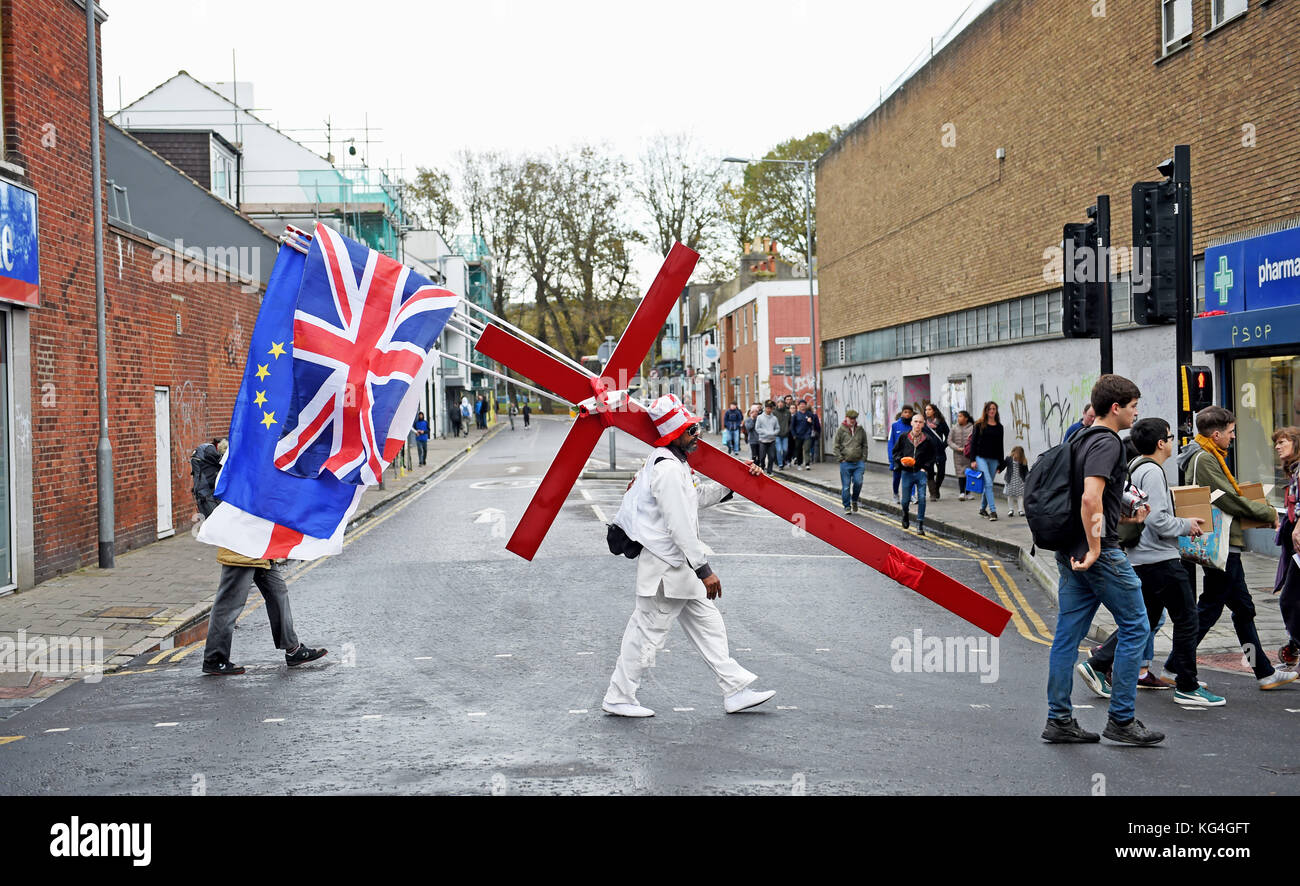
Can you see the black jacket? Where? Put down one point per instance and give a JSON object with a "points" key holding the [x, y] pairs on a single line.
{"points": [[923, 452], [986, 442], [205, 464]]}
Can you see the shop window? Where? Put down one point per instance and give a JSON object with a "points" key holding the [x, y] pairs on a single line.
{"points": [[1266, 397]]}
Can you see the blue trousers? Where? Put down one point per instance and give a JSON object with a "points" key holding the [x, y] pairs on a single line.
{"points": [[851, 474]]}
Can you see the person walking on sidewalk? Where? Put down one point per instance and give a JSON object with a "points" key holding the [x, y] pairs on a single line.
{"points": [[1017, 468], [899, 428], [802, 427], [465, 413], [205, 464], [781, 409], [1286, 443], [914, 452], [816, 443], [421, 428], [751, 435], [957, 437], [850, 448], [674, 579], [1094, 572], [1166, 584], [1089, 416], [528, 411], [768, 428], [937, 429], [1203, 464], [237, 574], [988, 454], [732, 421]]}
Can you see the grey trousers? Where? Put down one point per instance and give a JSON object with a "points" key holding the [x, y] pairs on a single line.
{"points": [[231, 595]]}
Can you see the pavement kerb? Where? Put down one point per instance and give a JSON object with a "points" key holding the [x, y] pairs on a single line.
{"points": [[200, 611]]}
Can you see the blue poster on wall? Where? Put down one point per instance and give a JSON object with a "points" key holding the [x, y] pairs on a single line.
{"points": [[20, 265], [1254, 274]]}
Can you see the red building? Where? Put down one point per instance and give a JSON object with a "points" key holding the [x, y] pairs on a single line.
{"points": [[176, 342], [766, 343]]}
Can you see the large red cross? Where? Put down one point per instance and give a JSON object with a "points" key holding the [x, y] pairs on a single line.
{"points": [[763, 491]]}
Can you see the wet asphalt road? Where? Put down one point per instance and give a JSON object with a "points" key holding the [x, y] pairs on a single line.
{"points": [[456, 667]]}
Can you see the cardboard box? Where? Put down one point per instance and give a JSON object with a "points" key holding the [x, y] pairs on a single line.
{"points": [[1193, 501], [1255, 492]]}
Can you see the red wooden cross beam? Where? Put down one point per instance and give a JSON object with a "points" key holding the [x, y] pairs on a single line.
{"points": [[763, 491]]}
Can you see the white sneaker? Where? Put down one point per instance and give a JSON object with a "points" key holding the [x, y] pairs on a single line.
{"points": [[745, 698], [1280, 677], [626, 710]]}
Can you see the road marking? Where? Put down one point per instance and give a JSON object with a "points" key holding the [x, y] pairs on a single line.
{"points": [[160, 656], [1020, 598], [1084, 706], [504, 655], [424, 658], [979, 707], [5, 739], [156, 725], [880, 706], [798, 556], [578, 711], [1293, 710], [821, 649], [187, 650], [586, 653], [600, 515], [60, 729], [372, 716], [586, 494], [274, 720], [683, 710], [477, 714], [743, 649], [1021, 627], [786, 707]]}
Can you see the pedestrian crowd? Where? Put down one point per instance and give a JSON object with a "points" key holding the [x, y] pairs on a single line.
{"points": [[782, 434]]}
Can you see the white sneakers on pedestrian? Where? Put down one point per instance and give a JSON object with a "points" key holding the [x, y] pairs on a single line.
{"points": [[626, 710], [1279, 677], [745, 698]]}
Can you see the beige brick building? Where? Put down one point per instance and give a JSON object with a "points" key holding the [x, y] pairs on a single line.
{"points": [[938, 211]]}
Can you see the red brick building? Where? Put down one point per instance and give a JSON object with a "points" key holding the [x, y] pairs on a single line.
{"points": [[765, 342], [176, 344]]}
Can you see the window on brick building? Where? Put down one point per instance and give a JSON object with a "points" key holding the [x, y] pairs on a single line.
{"points": [[1225, 10], [1176, 24]]}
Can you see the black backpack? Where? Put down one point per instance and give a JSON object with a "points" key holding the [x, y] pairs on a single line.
{"points": [[1051, 502]]}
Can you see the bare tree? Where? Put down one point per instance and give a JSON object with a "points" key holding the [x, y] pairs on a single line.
{"points": [[492, 205], [430, 197], [679, 188]]}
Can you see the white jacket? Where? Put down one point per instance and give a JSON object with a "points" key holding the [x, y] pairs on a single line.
{"points": [[661, 511]]}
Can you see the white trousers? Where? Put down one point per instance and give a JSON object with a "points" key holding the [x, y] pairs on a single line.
{"points": [[646, 632]]}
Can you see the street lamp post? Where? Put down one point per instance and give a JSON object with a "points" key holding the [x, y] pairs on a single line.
{"points": [[807, 214]]}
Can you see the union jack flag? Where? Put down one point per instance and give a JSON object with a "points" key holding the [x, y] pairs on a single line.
{"points": [[362, 335]]}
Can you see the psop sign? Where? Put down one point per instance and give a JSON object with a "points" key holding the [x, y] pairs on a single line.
{"points": [[20, 266]]}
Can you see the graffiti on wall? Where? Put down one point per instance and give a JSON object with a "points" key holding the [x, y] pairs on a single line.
{"points": [[189, 424], [236, 346], [1020, 415]]}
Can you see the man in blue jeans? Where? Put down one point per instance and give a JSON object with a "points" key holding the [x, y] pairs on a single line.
{"points": [[1096, 572], [850, 448], [732, 419]]}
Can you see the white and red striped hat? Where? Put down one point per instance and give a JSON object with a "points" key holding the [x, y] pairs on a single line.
{"points": [[671, 418]]}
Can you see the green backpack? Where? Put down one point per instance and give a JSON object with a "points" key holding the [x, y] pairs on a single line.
{"points": [[1130, 533]]}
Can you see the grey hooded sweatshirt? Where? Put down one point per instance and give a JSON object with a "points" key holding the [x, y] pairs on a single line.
{"points": [[1159, 539]]}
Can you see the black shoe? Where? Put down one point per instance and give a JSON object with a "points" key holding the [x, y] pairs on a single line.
{"points": [[993, 517], [222, 668], [920, 528], [1067, 732], [855, 506], [984, 512], [1132, 732], [907, 519], [302, 655]]}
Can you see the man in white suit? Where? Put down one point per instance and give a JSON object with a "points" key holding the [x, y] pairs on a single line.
{"points": [[674, 580]]}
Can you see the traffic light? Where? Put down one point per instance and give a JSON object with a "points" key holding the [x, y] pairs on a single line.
{"points": [[1080, 301], [1155, 243], [1198, 388]]}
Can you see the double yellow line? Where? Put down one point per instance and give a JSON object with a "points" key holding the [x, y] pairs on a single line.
{"points": [[1022, 614]]}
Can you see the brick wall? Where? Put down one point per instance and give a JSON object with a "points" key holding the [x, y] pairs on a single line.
{"points": [[787, 317], [44, 69], [916, 217]]}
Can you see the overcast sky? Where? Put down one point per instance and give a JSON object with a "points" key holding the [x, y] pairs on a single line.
{"points": [[518, 75]]}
